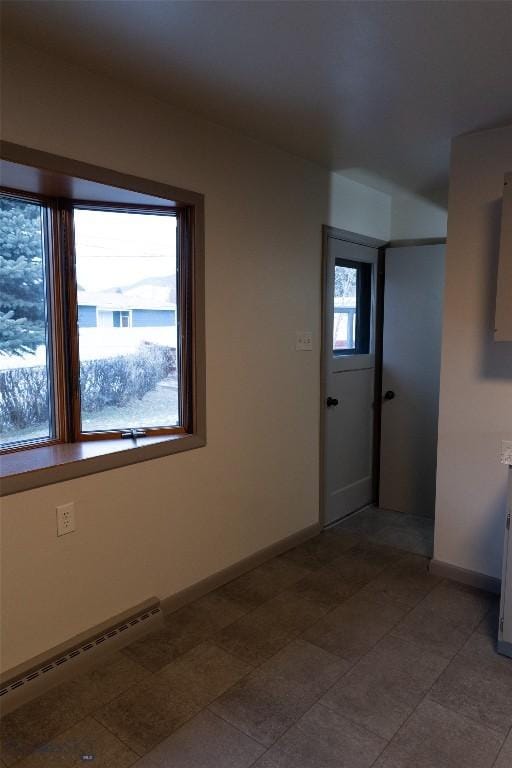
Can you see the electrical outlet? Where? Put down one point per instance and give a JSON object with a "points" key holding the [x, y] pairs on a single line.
{"points": [[66, 519], [304, 341]]}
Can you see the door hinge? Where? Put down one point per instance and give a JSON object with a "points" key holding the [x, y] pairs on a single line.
{"points": [[508, 521], [501, 624]]}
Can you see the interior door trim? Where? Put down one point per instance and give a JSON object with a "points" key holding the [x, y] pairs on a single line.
{"points": [[350, 237], [417, 241], [381, 245], [379, 358]]}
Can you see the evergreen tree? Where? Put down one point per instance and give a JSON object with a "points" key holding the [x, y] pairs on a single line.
{"points": [[22, 300], [345, 282]]}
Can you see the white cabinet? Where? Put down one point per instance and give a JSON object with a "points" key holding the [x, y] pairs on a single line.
{"points": [[503, 322], [505, 627]]}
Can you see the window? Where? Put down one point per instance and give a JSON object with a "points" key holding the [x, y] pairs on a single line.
{"points": [[99, 316], [128, 374], [122, 318], [119, 378], [26, 414], [352, 307]]}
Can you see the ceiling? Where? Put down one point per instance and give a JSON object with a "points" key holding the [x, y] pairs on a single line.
{"points": [[372, 89]]}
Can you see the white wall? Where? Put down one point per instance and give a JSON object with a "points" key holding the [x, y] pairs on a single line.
{"points": [[413, 217], [358, 208], [158, 527], [476, 372]]}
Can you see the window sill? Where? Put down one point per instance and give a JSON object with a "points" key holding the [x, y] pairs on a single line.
{"points": [[36, 467]]}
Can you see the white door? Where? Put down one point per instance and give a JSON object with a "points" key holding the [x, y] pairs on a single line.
{"points": [[348, 377], [410, 377]]}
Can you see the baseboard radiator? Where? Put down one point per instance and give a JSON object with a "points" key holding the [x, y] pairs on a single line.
{"points": [[79, 657]]}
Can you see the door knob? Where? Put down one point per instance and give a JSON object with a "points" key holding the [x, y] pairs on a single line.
{"points": [[389, 395], [332, 401]]}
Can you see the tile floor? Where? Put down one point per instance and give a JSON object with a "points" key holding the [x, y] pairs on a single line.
{"points": [[342, 653], [410, 532]]}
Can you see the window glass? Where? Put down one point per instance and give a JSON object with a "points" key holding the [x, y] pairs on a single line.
{"points": [[352, 307], [127, 310], [345, 308], [25, 412]]}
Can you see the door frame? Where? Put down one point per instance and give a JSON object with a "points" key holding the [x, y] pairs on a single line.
{"points": [[381, 246], [334, 233]]}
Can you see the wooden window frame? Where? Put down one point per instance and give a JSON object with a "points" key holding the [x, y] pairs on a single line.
{"points": [[71, 452], [183, 298], [59, 422]]}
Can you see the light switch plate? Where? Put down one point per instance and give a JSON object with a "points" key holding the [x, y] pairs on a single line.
{"points": [[304, 341]]}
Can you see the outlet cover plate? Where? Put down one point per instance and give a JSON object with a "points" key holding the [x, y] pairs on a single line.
{"points": [[66, 519]]}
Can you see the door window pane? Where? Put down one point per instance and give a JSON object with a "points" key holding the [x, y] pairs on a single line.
{"points": [[352, 307], [345, 308], [25, 412], [127, 309]]}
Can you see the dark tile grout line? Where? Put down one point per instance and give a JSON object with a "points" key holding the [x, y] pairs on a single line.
{"points": [[324, 693], [118, 738], [440, 705], [153, 673], [425, 536], [437, 678], [424, 540], [450, 708], [320, 618], [93, 713], [427, 693], [358, 661], [351, 668], [343, 674], [360, 539], [257, 666], [264, 661], [88, 715], [509, 733]]}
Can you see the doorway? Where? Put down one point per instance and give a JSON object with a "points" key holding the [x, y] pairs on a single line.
{"points": [[348, 372], [411, 362], [382, 315]]}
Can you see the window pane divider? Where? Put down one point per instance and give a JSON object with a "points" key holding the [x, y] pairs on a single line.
{"points": [[71, 353]]}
